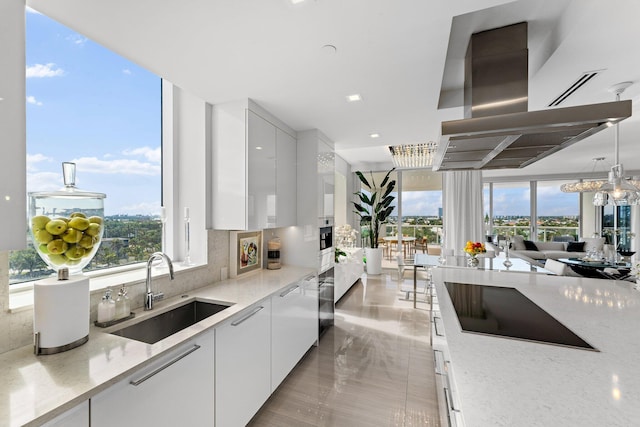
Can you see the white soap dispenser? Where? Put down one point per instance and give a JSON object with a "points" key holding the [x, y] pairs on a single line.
{"points": [[123, 307], [106, 308]]}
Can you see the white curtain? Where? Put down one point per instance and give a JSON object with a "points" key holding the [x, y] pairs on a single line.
{"points": [[462, 199]]}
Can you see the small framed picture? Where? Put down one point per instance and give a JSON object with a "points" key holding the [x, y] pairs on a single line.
{"points": [[246, 252]]}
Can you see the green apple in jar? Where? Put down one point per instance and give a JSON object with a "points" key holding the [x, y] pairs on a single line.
{"points": [[57, 247], [56, 226], [39, 222]]}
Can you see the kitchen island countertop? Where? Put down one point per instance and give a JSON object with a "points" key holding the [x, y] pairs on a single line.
{"points": [[510, 382]]}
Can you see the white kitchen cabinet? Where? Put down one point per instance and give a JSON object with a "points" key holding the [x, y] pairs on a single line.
{"points": [[347, 272], [77, 416], [174, 389], [253, 169], [243, 365], [294, 326], [285, 179], [261, 172]]}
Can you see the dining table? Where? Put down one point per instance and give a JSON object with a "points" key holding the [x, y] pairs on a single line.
{"points": [[408, 243]]}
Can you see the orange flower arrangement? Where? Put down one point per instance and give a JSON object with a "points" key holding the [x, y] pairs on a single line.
{"points": [[474, 248]]}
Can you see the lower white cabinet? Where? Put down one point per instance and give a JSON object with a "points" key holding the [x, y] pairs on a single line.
{"points": [[175, 390], [347, 272], [77, 416], [243, 365], [294, 326]]}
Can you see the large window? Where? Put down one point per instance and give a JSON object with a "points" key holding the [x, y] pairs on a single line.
{"points": [[90, 106], [558, 212], [512, 209], [421, 205]]}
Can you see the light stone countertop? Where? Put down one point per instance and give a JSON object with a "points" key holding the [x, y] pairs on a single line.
{"points": [[508, 382], [34, 389]]}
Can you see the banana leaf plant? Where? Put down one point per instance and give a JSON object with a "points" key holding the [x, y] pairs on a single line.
{"points": [[374, 208]]}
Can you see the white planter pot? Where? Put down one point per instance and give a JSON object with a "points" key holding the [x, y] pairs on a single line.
{"points": [[374, 260]]}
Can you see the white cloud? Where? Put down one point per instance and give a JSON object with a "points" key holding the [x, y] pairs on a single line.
{"points": [[126, 71], [151, 154], [117, 166], [77, 39], [44, 181], [32, 100], [46, 70], [33, 159]]}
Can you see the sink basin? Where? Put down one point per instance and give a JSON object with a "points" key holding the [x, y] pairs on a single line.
{"points": [[168, 323]]}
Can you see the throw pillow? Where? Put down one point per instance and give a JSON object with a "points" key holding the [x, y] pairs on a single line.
{"points": [[530, 246], [575, 247], [518, 243]]}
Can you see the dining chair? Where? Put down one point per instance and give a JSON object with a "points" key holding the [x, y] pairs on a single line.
{"points": [[421, 244], [556, 267]]}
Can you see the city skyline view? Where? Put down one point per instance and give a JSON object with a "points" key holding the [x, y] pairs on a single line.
{"points": [[87, 105]]}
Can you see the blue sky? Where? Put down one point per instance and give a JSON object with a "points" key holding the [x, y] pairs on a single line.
{"points": [[90, 106], [513, 199]]}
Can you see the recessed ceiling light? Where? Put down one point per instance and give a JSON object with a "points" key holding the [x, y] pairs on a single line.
{"points": [[375, 135], [353, 98], [258, 148], [296, 1]]}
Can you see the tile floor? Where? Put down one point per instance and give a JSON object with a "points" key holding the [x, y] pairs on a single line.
{"points": [[373, 368]]}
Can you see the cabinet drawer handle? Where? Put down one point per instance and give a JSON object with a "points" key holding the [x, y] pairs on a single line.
{"points": [[165, 366], [435, 326], [288, 291], [243, 318]]}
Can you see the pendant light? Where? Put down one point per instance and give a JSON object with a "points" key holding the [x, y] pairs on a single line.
{"points": [[617, 191]]}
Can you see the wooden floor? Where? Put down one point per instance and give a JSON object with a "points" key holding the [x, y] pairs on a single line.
{"points": [[373, 368]]}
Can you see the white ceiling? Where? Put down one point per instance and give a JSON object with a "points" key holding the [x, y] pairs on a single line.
{"points": [[392, 52]]}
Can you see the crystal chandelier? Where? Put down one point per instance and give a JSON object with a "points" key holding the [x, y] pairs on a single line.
{"points": [[413, 155], [618, 190], [589, 186]]}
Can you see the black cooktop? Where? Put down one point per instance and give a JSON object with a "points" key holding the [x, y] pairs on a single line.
{"points": [[505, 312]]}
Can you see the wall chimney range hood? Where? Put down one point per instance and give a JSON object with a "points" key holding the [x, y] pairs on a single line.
{"points": [[498, 131]]}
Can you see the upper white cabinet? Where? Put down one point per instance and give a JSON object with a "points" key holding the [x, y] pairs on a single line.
{"points": [[253, 169], [286, 149], [13, 164], [316, 177], [261, 172]]}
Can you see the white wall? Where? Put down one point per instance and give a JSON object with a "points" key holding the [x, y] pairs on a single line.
{"points": [[185, 185]]}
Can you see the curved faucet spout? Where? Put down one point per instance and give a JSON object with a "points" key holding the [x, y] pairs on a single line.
{"points": [[150, 296]]}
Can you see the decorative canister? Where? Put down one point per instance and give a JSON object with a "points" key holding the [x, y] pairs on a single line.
{"points": [[273, 253], [66, 225]]}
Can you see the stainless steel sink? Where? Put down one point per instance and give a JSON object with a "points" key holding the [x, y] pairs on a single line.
{"points": [[168, 323]]}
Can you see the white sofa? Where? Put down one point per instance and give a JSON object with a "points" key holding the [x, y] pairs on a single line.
{"points": [[554, 250]]}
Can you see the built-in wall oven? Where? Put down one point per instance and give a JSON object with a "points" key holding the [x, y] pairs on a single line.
{"points": [[325, 280]]}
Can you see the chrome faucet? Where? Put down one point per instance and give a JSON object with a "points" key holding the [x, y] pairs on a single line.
{"points": [[150, 297]]}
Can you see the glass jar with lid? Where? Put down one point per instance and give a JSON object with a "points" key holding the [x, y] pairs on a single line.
{"points": [[273, 253], [66, 225]]}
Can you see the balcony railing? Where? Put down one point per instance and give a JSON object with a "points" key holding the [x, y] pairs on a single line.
{"points": [[545, 233]]}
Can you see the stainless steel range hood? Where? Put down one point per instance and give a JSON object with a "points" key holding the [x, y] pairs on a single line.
{"points": [[499, 131]]}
